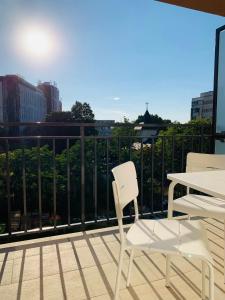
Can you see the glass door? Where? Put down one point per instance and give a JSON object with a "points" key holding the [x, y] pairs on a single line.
{"points": [[219, 92]]}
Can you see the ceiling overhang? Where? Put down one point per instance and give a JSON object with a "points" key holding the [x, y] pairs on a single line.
{"points": [[216, 7]]}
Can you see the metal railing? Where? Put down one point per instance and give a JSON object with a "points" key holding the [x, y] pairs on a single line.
{"points": [[63, 182]]}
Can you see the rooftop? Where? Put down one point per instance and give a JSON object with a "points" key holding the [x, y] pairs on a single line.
{"points": [[83, 266]]}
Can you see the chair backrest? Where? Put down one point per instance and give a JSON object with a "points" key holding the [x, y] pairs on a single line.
{"points": [[125, 187], [197, 162]]}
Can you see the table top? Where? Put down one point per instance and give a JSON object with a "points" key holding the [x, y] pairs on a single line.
{"points": [[209, 182]]}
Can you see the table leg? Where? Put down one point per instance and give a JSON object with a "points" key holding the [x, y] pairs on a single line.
{"points": [[211, 282]]}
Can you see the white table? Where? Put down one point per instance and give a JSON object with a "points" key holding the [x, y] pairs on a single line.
{"points": [[208, 182]]}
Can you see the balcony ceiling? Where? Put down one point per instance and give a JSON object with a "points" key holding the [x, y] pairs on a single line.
{"points": [[216, 7]]}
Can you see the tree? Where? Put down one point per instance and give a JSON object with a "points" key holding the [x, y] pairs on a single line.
{"points": [[82, 112], [124, 129], [59, 117]]}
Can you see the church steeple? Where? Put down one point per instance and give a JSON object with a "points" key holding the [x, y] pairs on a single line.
{"points": [[147, 117], [147, 103]]}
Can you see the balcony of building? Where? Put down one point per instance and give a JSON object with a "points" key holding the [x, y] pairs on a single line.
{"points": [[83, 265], [57, 210]]}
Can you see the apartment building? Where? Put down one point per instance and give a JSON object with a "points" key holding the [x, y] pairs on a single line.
{"points": [[202, 107], [51, 93], [21, 101]]}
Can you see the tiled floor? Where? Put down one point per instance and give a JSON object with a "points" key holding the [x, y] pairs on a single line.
{"points": [[83, 266]]}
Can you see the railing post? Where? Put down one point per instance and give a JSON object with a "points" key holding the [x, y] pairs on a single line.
{"points": [[182, 154], [68, 178], [39, 185], [54, 184], [119, 150], [82, 176], [142, 176], [163, 171], [24, 188], [173, 146], [202, 132], [8, 187], [107, 179], [152, 173], [95, 181]]}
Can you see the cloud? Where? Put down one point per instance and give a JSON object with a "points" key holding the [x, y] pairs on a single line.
{"points": [[112, 114], [116, 98]]}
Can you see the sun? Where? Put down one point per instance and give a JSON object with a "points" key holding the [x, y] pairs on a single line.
{"points": [[37, 42]]}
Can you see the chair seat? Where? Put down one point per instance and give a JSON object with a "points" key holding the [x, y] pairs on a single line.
{"points": [[198, 205], [186, 238]]}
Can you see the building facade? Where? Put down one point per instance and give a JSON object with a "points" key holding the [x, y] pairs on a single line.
{"points": [[33, 106], [202, 107], [51, 93], [1, 101], [106, 127], [20, 101]]}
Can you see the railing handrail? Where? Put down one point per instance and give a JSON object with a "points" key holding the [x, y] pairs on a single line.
{"points": [[46, 137], [81, 124]]}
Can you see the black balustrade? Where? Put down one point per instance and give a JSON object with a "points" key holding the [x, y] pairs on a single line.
{"points": [[61, 182]]}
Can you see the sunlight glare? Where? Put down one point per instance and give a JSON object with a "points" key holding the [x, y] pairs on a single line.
{"points": [[37, 42]]}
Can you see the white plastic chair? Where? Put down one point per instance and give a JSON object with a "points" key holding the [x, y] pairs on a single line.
{"points": [[172, 237], [199, 205]]}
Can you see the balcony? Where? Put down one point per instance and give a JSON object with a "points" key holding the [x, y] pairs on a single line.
{"points": [[57, 210], [83, 266]]}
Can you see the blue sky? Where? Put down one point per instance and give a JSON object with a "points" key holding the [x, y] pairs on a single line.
{"points": [[116, 54]]}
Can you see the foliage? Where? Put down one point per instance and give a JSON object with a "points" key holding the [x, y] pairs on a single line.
{"points": [[82, 112], [124, 129], [153, 162], [177, 140], [152, 119]]}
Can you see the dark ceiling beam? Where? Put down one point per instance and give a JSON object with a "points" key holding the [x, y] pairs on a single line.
{"points": [[216, 7]]}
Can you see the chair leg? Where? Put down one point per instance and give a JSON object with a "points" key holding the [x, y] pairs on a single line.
{"points": [[168, 259], [117, 288], [203, 279], [130, 266], [211, 282], [170, 213]]}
